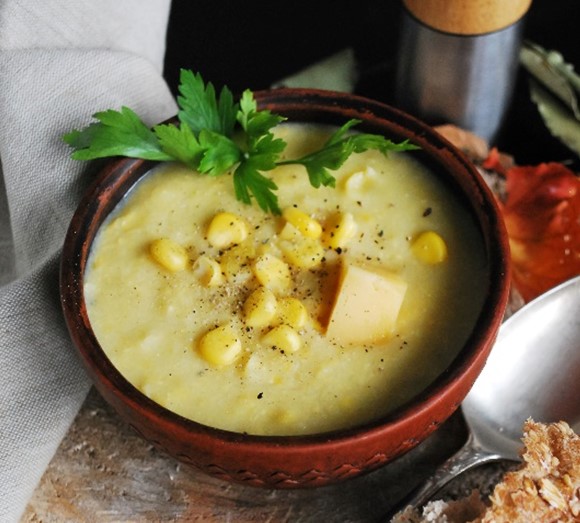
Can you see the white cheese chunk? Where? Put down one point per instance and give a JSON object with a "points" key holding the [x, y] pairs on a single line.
{"points": [[366, 306]]}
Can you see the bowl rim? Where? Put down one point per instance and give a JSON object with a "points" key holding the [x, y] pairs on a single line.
{"points": [[335, 105]]}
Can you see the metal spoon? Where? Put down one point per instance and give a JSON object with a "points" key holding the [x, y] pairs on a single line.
{"points": [[532, 371]]}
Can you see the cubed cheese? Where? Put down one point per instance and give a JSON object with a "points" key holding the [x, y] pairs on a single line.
{"points": [[366, 305]]}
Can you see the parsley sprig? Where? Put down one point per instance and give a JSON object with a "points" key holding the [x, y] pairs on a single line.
{"points": [[216, 135]]}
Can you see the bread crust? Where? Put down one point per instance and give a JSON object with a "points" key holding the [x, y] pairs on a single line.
{"points": [[547, 487], [544, 489]]}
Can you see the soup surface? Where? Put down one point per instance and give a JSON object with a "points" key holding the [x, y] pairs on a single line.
{"points": [[313, 329]]}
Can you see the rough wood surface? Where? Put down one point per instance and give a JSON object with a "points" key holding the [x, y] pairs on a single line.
{"points": [[104, 472]]}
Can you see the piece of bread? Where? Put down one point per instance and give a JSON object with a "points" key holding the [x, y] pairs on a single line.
{"points": [[546, 488], [439, 511]]}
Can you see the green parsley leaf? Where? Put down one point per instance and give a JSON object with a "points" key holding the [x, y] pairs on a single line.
{"points": [[248, 107], [255, 123], [262, 155], [219, 153], [118, 133], [180, 143], [200, 109], [337, 150], [266, 151], [216, 136], [248, 182], [341, 132]]}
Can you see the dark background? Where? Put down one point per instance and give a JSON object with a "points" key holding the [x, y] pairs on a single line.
{"points": [[252, 44]]}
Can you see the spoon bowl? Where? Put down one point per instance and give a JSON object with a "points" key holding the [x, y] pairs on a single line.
{"points": [[533, 371]]}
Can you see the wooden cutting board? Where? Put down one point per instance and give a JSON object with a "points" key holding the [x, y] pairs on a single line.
{"points": [[104, 472]]}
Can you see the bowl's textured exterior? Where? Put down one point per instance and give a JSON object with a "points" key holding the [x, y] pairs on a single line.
{"points": [[297, 461]]}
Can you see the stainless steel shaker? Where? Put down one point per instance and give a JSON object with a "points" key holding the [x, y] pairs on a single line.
{"points": [[458, 61]]}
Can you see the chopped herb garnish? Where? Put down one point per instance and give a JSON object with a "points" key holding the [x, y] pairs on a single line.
{"points": [[217, 135]]}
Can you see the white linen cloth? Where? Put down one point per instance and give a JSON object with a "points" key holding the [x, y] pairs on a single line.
{"points": [[60, 62]]}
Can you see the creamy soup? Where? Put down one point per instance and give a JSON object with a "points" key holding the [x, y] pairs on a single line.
{"points": [[329, 316]]}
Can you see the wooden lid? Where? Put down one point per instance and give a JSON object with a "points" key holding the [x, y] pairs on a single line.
{"points": [[468, 16]]}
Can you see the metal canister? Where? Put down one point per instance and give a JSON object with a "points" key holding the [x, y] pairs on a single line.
{"points": [[458, 61]]}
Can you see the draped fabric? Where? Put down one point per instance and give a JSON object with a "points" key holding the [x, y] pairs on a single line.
{"points": [[60, 62]]}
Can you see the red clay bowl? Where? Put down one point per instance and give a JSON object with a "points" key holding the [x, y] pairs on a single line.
{"points": [[296, 461]]}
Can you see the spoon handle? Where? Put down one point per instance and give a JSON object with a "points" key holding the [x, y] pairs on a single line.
{"points": [[467, 457]]}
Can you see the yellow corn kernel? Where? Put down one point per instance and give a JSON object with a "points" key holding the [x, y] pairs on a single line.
{"points": [[169, 254], [304, 253], [260, 308], [289, 232], [356, 181], [220, 346], [291, 311], [283, 338], [226, 229], [430, 248], [236, 262], [208, 271], [340, 231], [272, 273], [307, 225], [268, 248]]}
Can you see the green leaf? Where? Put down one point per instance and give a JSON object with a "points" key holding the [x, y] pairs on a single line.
{"points": [[337, 150], [219, 153], [207, 140], [550, 69], [179, 143], [118, 133], [560, 122], [266, 152], [261, 123], [249, 182], [255, 123], [366, 142], [361, 142], [227, 109], [341, 132], [247, 108], [201, 110]]}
